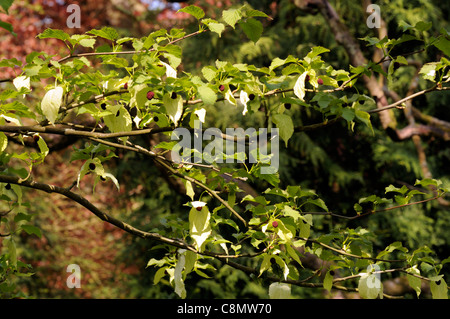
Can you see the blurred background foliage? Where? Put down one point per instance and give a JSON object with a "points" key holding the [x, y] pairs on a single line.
{"points": [[340, 165]]}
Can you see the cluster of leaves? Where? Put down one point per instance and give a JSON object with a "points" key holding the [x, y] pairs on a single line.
{"points": [[146, 95]]}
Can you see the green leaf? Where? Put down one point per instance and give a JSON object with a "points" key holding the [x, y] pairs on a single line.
{"points": [[43, 146], [216, 27], [428, 71], [423, 26], [255, 13], [7, 27], [159, 274], [285, 126], [6, 4], [209, 72], [54, 34], [51, 103], [232, 16], [443, 44], [365, 118], [3, 141], [413, 281], [12, 252], [195, 11], [252, 29], [208, 96], [328, 281], [32, 230], [106, 33], [119, 120], [438, 287]]}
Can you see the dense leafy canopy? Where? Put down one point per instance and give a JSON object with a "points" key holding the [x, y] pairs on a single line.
{"points": [[339, 197]]}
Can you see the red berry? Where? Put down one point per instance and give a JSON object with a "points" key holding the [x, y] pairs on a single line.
{"points": [[150, 95], [275, 224], [319, 81], [36, 137], [125, 86], [307, 78], [221, 87], [199, 208]]}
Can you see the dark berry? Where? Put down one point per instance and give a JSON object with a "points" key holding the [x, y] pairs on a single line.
{"points": [[91, 166], [221, 87], [438, 282], [174, 95], [319, 81], [307, 78], [275, 224], [35, 138], [125, 86], [103, 106], [156, 119], [251, 96], [150, 95], [332, 272], [287, 106], [199, 208], [8, 186]]}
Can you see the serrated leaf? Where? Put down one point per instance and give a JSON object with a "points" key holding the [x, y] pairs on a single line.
{"points": [[232, 16], [216, 27], [51, 103], [194, 11], [252, 29], [208, 96], [189, 190], [209, 72], [285, 126], [53, 34], [106, 33], [119, 121]]}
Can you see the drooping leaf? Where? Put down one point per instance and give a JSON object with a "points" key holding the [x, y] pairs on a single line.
{"points": [[285, 126]]}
